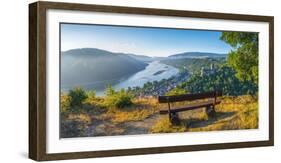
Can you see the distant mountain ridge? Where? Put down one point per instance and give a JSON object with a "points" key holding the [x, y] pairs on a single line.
{"points": [[101, 52], [87, 52], [197, 55], [90, 66], [143, 58]]}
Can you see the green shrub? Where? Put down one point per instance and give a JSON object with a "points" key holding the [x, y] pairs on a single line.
{"points": [[123, 99], [77, 96], [64, 103], [91, 94], [118, 99], [110, 91], [176, 91]]}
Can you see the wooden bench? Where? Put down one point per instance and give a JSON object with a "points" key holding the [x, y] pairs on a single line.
{"points": [[208, 100]]}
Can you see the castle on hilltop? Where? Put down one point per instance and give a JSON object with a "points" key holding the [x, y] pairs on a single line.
{"points": [[207, 71]]}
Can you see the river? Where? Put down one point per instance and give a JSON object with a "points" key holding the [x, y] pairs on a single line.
{"points": [[155, 71]]}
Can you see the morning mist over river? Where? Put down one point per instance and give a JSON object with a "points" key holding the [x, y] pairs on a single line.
{"points": [[154, 71]]}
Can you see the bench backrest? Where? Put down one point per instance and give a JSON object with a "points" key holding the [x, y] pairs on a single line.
{"points": [[189, 97]]}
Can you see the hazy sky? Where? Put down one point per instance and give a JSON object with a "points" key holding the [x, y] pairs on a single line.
{"points": [[142, 41]]}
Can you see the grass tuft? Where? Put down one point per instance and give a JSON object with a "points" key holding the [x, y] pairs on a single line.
{"points": [[165, 126]]}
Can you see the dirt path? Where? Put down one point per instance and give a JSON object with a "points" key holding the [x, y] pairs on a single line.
{"points": [[108, 128], [104, 127], [140, 127]]}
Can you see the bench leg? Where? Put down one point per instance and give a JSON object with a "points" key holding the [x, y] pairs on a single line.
{"points": [[210, 111], [174, 119]]}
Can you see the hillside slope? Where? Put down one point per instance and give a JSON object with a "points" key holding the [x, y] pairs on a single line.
{"points": [[197, 55], [90, 67]]}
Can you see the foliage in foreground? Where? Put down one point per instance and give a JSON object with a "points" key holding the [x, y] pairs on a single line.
{"points": [[176, 91], [119, 99], [73, 101], [77, 96]]}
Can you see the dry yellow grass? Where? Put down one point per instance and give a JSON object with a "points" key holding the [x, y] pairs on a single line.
{"points": [[94, 101], [135, 115], [165, 126], [142, 108], [245, 109], [233, 113], [148, 102], [86, 119], [65, 102]]}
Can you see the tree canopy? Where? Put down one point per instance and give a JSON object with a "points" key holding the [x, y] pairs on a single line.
{"points": [[223, 79], [244, 56]]}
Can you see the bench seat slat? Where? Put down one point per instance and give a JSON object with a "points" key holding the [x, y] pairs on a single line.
{"points": [[191, 106], [188, 97]]}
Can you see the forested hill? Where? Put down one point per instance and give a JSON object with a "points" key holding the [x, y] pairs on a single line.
{"points": [[80, 67], [194, 65], [197, 55]]}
